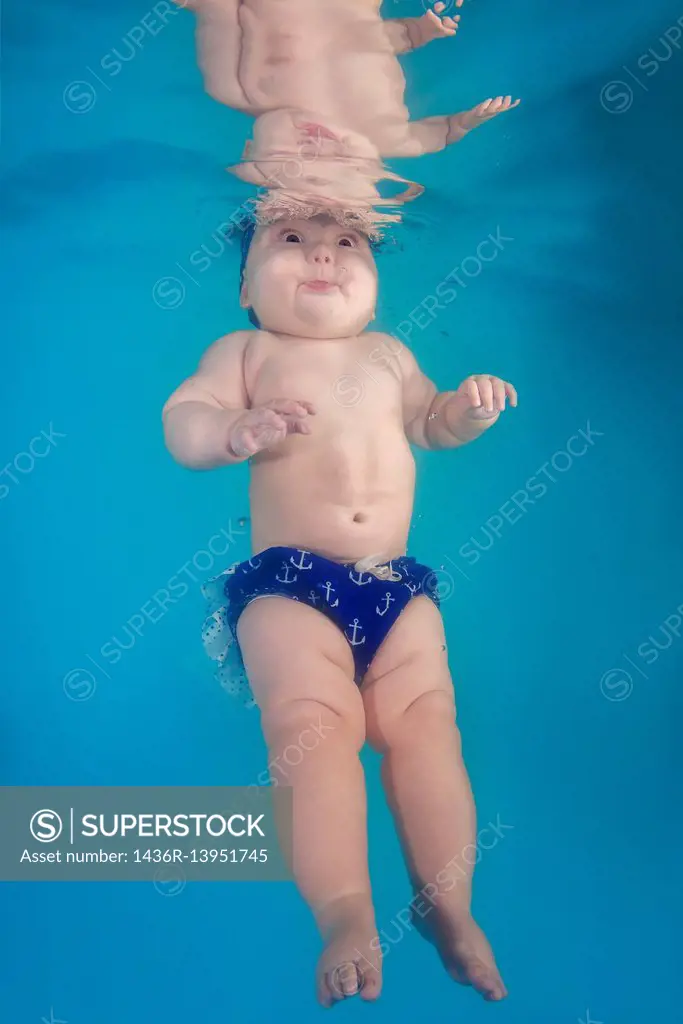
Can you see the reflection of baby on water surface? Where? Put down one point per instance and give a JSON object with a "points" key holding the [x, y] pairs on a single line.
{"points": [[335, 627], [323, 77]]}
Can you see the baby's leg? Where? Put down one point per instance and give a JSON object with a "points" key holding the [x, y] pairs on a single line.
{"points": [[301, 671], [410, 712], [220, 44]]}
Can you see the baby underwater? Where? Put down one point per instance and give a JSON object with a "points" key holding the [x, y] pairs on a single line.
{"points": [[333, 624]]}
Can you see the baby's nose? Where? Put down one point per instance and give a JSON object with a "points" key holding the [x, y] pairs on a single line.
{"points": [[322, 257]]}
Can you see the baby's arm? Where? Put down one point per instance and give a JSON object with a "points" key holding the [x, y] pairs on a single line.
{"points": [[208, 421], [448, 419], [431, 134], [199, 415], [407, 34]]}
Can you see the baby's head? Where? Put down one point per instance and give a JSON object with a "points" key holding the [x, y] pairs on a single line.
{"points": [[308, 277]]}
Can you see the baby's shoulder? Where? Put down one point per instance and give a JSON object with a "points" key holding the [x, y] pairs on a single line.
{"points": [[226, 351], [387, 344]]}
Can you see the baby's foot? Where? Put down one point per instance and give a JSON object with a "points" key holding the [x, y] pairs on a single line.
{"points": [[464, 949], [351, 963]]}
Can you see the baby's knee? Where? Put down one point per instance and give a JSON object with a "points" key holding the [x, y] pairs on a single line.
{"points": [[303, 725], [421, 721]]}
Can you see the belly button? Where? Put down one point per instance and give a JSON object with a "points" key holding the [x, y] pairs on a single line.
{"points": [[359, 517]]}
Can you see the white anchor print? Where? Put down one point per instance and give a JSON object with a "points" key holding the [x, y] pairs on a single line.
{"points": [[355, 626], [412, 587], [301, 564], [387, 601], [286, 577], [313, 597], [253, 563], [328, 588], [360, 582]]}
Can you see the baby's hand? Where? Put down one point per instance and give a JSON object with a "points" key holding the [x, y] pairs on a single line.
{"points": [[435, 24], [268, 425], [483, 396], [486, 110]]}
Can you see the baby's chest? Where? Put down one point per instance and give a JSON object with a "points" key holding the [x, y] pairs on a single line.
{"points": [[331, 377]]}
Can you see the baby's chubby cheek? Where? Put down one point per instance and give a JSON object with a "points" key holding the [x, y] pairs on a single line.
{"points": [[363, 282], [276, 277]]}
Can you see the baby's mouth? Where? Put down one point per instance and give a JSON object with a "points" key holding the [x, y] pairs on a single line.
{"points": [[319, 285]]}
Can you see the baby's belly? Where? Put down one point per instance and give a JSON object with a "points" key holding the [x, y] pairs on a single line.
{"points": [[343, 502]]}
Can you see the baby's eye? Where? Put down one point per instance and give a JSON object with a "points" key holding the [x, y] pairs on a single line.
{"points": [[347, 240], [291, 236]]}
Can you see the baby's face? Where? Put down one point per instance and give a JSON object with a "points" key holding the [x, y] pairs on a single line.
{"points": [[311, 278]]}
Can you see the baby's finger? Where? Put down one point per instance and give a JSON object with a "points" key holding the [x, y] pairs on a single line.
{"points": [[267, 419], [435, 20], [324, 991], [269, 436], [347, 979], [472, 392], [499, 393], [512, 393], [249, 440], [299, 427], [289, 407], [486, 393], [243, 446]]}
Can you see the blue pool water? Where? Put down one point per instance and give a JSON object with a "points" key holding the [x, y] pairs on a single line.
{"points": [[560, 609]]}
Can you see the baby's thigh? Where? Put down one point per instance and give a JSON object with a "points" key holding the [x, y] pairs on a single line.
{"points": [[294, 654], [409, 672], [219, 45]]}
